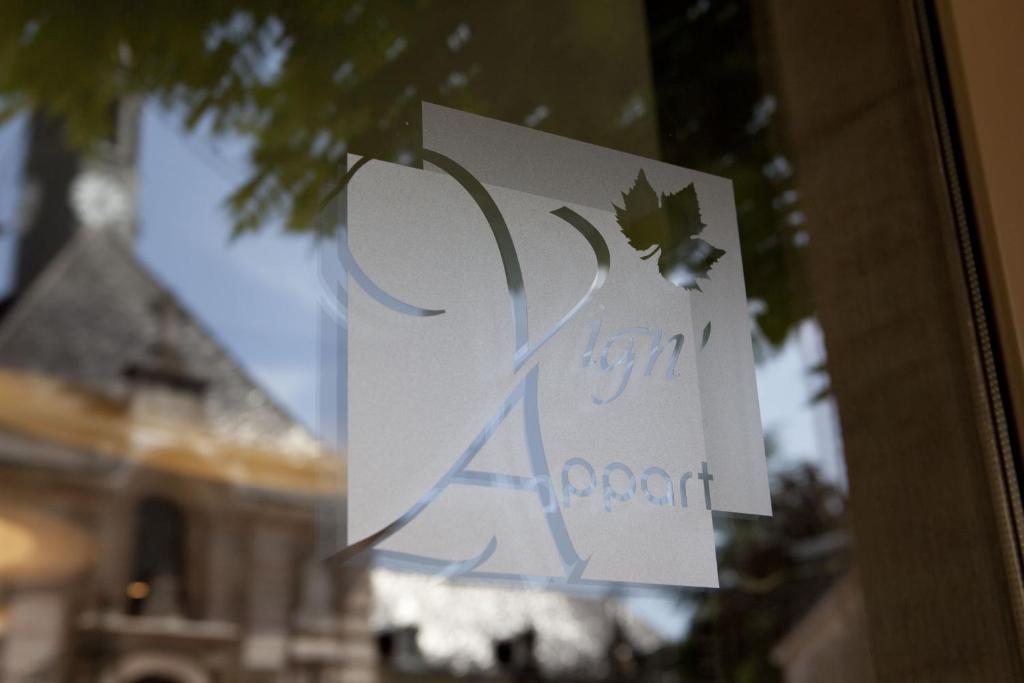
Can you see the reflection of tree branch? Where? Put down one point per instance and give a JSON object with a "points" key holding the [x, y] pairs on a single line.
{"points": [[309, 82], [761, 585], [771, 571]]}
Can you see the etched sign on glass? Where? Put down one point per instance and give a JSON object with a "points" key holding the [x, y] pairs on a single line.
{"points": [[548, 365]]}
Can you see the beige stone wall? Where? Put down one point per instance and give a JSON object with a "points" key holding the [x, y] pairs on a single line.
{"points": [[245, 622]]}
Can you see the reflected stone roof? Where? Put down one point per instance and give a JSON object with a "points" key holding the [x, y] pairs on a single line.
{"points": [[459, 623], [90, 314]]}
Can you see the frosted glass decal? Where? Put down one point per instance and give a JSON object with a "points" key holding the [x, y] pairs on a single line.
{"points": [[548, 372]]}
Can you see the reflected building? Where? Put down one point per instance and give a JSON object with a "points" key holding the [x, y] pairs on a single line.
{"points": [[830, 642], [158, 508], [432, 630]]}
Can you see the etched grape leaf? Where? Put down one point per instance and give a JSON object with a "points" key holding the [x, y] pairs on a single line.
{"points": [[668, 226]]}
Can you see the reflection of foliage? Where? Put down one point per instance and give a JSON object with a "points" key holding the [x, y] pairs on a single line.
{"points": [[772, 569], [717, 114], [308, 82], [670, 226]]}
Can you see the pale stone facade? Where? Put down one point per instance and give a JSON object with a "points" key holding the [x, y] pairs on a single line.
{"points": [[157, 508]]}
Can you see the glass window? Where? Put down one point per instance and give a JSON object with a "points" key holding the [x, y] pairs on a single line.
{"points": [[182, 445]]}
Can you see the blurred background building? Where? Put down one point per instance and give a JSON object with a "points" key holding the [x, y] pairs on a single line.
{"points": [[157, 507]]}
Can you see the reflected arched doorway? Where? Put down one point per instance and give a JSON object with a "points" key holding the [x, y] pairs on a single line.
{"points": [[156, 667]]}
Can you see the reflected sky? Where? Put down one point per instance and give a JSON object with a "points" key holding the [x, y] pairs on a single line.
{"points": [[12, 150]]}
